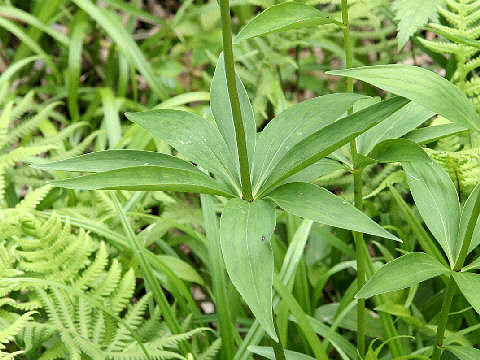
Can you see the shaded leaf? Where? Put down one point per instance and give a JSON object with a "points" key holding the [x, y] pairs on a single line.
{"points": [[403, 272]]}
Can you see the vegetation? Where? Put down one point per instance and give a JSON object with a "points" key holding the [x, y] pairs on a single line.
{"points": [[239, 179]]}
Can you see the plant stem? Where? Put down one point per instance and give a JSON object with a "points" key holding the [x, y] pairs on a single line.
{"points": [[447, 302], [449, 292], [358, 197], [234, 101], [277, 346]]}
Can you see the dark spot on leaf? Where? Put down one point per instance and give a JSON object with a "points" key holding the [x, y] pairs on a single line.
{"points": [[263, 238]]}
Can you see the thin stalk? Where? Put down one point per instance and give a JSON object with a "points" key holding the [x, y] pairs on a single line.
{"points": [[147, 271], [277, 346], [234, 101], [358, 197], [449, 292]]}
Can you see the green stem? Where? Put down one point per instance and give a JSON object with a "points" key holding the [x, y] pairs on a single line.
{"points": [[358, 197], [449, 292], [234, 100], [447, 302], [277, 346]]}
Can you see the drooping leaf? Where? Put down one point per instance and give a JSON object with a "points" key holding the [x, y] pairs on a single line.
{"points": [[425, 87], [222, 113], [318, 145], [469, 284], [437, 201], [318, 204], [146, 178], [245, 232], [193, 136], [117, 159], [395, 126], [282, 17], [412, 15], [282, 133], [403, 272], [464, 352]]}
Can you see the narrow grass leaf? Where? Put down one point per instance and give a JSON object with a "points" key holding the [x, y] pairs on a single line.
{"points": [[320, 205], [282, 17], [269, 354], [425, 87], [464, 352], [111, 118], [403, 272], [245, 232], [113, 27]]}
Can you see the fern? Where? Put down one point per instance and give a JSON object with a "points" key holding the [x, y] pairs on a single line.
{"points": [[8, 333]]}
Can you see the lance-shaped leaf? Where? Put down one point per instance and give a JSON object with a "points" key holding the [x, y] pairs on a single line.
{"points": [[464, 352], [222, 113], [331, 137], [282, 17], [401, 273], [469, 284], [193, 136], [318, 204], [437, 201], [117, 159], [292, 126], [245, 232], [147, 178], [422, 86], [398, 150], [395, 126], [430, 134]]}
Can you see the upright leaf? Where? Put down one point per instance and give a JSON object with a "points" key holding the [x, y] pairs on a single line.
{"points": [[437, 201], [331, 137], [403, 272], [245, 232], [193, 136], [469, 284], [292, 126], [465, 218], [282, 17], [222, 113], [425, 87], [318, 204]]}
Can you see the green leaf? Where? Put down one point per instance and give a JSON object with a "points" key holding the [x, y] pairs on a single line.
{"points": [[437, 201], [412, 15], [318, 145], [222, 113], [245, 232], [395, 126], [281, 133], [193, 136], [147, 178], [117, 159], [282, 17], [465, 218], [318, 204], [181, 268], [114, 28], [469, 284], [403, 272], [269, 354], [430, 134], [464, 352], [398, 150], [425, 87]]}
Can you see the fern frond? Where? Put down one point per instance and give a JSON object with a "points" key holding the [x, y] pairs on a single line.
{"points": [[33, 198]]}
